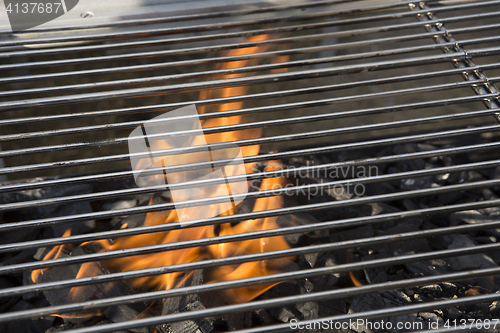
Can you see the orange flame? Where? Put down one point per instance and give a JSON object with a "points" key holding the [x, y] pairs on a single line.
{"points": [[225, 273], [55, 252]]}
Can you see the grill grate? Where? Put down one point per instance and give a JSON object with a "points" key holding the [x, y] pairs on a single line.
{"points": [[398, 86]]}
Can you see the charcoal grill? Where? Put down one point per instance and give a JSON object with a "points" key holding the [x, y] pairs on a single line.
{"points": [[406, 87]]}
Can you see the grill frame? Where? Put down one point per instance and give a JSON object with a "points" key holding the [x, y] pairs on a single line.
{"points": [[462, 59]]}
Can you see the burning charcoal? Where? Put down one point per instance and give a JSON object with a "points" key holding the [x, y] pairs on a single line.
{"points": [[308, 310], [293, 220], [121, 204], [6, 303], [264, 317], [474, 176], [306, 286], [39, 325], [117, 313], [430, 317], [468, 262], [416, 183], [415, 164], [332, 278], [174, 304], [311, 258], [187, 303], [410, 204], [199, 325], [489, 195], [381, 277], [56, 274], [285, 315], [20, 257], [377, 274], [332, 307], [495, 309], [382, 208], [449, 289], [61, 296], [54, 210], [132, 221], [236, 320], [383, 300], [431, 291], [453, 313], [427, 268], [105, 321], [474, 216], [364, 231]]}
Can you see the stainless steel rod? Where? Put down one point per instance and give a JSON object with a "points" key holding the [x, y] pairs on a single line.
{"points": [[144, 230], [249, 159], [128, 174], [312, 49], [384, 313], [166, 78], [337, 46], [352, 222], [232, 179], [155, 66], [281, 301], [272, 278], [186, 39], [203, 27], [211, 115], [183, 18], [242, 217], [242, 126], [9, 269], [278, 77]]}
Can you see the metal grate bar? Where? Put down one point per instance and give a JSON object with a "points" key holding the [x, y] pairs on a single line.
{"points": [[274, 212], [256, 158], [110, 46], [68, 308], [231, 179], [242, 126], [97, 96], [371, 89], [158, 228], [158, 79], [340, 224], [292, 300], [394, 311], [240, 217], [203, 27], [241, 45], [463, 63], [178, 18], [211, 115]]}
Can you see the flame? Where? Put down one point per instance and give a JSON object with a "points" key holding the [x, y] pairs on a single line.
{"points": [[225, 273], [258, 268], [54, 253], [355, 280]]}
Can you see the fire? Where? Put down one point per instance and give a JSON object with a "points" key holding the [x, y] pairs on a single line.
{"points": [[258, 268], [55, 252], [224, 273]]}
